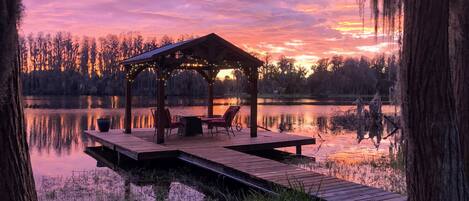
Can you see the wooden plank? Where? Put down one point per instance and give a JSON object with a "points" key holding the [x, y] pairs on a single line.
{"points": [[385, 197], [349, 193], [369, 196]]}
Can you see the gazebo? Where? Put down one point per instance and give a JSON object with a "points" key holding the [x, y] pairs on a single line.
{"points": [[207, 55]]}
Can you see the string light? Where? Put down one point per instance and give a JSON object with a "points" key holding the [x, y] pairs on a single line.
{"points": [[187, 62]]}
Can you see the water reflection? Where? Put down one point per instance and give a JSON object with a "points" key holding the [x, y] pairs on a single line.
{"points": [[57, 142], [60, 132]]}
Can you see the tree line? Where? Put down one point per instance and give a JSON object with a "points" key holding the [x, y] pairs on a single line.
{"points": [[63, 64]]}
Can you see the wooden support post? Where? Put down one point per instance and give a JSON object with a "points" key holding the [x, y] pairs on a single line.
{"points": [[209, 76], [128, 107], [253, 101], [118, 158], [127, 188], [298, 150], [160, 106], [210, 99]]}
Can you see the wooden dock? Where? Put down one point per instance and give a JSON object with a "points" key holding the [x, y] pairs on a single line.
{"points": [[221, 154]]}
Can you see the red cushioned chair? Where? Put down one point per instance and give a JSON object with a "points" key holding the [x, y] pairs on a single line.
{"points": [[169, 125]]}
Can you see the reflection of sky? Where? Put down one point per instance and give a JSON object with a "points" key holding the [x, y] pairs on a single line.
{"points": [[57, 142], [302, 29]]}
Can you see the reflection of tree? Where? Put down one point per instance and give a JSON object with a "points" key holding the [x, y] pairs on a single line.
{"points": [[322, 124], [63, 132], [376, 131], [361, 132]]}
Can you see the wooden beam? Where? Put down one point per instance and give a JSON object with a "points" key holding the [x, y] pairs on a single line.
{"points": [[253, 76], [209, 75], [160, 105], [128, 107], [204, 74]]}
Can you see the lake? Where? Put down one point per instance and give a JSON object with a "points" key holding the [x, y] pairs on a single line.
{"points": [[55, 128]]}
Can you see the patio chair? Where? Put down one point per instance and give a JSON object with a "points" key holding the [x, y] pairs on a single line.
{"points": [[225, 122], [169, 125], [221, 117]]}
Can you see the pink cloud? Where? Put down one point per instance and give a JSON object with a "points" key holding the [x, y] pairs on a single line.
{"points": [[302, 29]]}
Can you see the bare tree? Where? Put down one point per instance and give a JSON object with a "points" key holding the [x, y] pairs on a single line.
{"points": [[84, 56], [16, 181], [93, 54]]}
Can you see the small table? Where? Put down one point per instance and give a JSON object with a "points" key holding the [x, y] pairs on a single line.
{"points": [[190, 126]]}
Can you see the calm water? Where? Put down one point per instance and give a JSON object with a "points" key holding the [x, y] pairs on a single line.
{"points": [[57, 142]]}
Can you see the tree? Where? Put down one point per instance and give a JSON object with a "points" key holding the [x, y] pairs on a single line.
{"points": [[84, 56], [93, 54], [16, 181], [434, 156], [459, 60], [166, 40], [58, 52], [433, 62]]}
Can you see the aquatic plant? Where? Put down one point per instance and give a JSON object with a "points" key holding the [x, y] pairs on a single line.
{"points": [[382, 172]]}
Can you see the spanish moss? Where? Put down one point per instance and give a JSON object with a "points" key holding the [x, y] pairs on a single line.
{"points": [[386, 12]]}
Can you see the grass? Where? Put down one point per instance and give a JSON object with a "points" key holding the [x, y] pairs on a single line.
{"points": [[179, 184]]}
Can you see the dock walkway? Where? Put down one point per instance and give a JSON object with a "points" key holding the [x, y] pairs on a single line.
{"points": [[262, 173], [222, 155]]}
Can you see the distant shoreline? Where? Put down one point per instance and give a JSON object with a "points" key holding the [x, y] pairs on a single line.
{"points": [[84, 102]]}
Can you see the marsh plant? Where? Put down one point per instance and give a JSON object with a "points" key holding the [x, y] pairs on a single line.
{"points": [[105, 184], [382, 172], [90, 185]]}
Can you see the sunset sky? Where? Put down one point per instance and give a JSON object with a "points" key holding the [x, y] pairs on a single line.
{"points": [[302, 29]]}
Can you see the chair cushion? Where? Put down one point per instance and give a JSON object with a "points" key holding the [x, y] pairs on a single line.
{"points": [[175, 124], [211, 119], [218, 124]]}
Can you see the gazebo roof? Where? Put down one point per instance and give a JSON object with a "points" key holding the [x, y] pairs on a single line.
{"points": [[205, 50]]}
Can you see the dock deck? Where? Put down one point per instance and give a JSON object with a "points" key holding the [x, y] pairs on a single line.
{"points": [[221, 154]]}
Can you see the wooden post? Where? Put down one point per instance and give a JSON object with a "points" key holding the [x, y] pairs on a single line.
{"points": [[127, 188], [253, 101], [298, 150], [210, 98], [160, 106], [128, 107]]}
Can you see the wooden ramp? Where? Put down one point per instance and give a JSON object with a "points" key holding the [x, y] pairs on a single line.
{"points": [[265, 174]]}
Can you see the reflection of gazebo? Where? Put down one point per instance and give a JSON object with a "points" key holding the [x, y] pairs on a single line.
{"points": [[207, 55]]}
